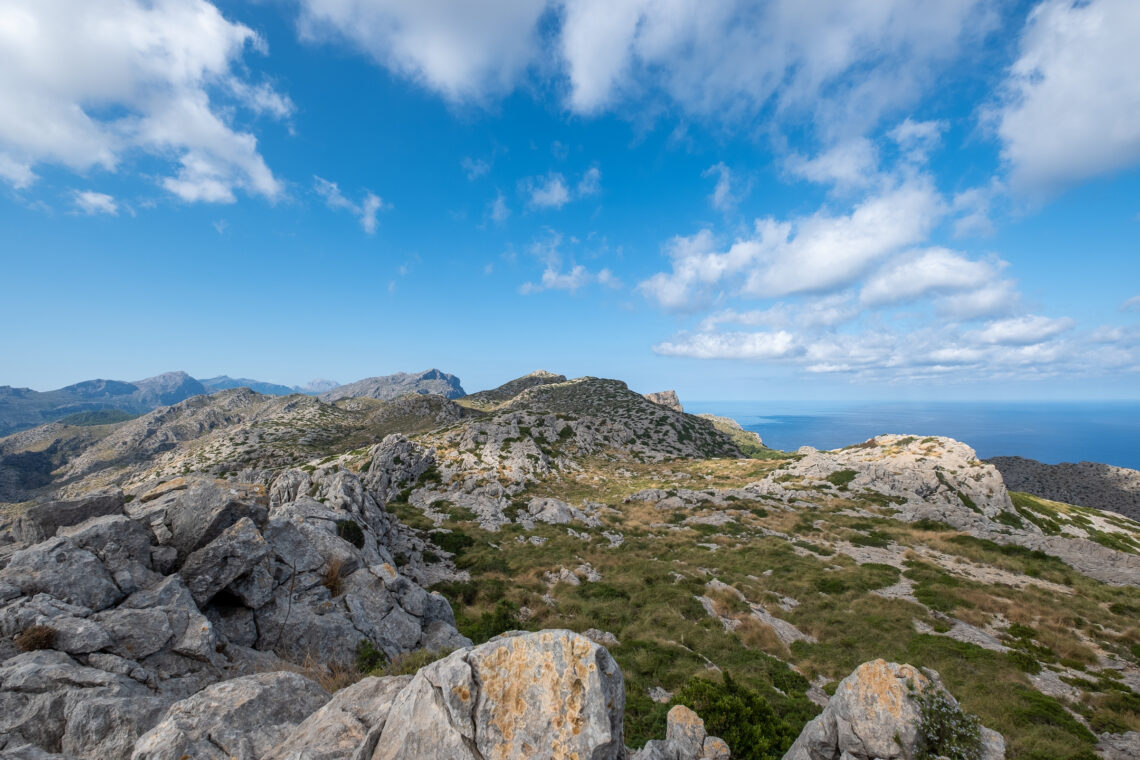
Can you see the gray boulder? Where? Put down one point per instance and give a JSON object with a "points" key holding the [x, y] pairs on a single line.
{"points": [[547, 694], [239, 719], [60, 568], [874, 716], [41, 521], [347, 726], [232, 554], [206, 509]]}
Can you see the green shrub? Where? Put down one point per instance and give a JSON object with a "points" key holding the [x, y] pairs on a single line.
{"points": [[454, 542], [351, 532], [368, 657], [740, 716], [841, 478], [944, 730]]}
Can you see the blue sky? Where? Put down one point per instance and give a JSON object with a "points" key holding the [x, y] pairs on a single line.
{"points": [[741, 200]]}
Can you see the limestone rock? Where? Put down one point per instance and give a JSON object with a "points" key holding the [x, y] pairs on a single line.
{"points": [[685, 739], [396, 464], [873, 715], [241, 719], [347, 726], [41, 521], [667, 399], [232, 554], [60, 568], [547, 694]]}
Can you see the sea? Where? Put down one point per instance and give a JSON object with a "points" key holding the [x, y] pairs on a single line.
{"points": [[1051, 432]]}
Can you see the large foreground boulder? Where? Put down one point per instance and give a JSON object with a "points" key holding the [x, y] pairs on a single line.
{"points": [[549, 694], [875, 715]]}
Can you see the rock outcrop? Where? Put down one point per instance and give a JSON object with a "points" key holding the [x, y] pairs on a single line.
{"points": [[386, 387], [667, 399], [1088, 484], [189, 587], [874, 715]]}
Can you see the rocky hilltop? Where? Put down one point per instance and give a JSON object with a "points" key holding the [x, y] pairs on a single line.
{"points": [[551, 568], [1087, 484], [430, 381]]}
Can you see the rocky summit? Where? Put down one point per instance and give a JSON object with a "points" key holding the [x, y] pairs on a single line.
{"points": [[553, 568]]}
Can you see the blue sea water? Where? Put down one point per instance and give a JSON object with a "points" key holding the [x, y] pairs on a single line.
{"points": [[1052, 432]]}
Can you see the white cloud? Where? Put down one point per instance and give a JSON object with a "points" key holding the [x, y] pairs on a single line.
{"points": [[16, 173], [723, 198], [1072, 100], [85, 83], [851, 164], [848, 61], [918, 138], [464, 51], [990, 300], [552, 190], [475, 168], [844, 63], [1132, 304], [734, 345], [918, 273], [812, 254], [973, 209], [366, 210], [553, 279], [91, 202], [547, 192], [1022, 331], [498, 210], [591, 182]]}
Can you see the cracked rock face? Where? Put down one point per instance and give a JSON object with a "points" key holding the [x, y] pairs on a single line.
{"points": [[184, 592]]}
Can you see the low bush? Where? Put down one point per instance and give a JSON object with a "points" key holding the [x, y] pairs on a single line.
{"points": [[36, 637], [740, 716], [944, 730]]}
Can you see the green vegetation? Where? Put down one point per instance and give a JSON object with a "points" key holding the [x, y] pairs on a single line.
{"points": [[98, 417], [841, 478], [944, 731], [740, 716]]}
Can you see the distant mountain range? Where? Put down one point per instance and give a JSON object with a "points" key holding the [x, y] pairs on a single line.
{"points": [[23, 408]]}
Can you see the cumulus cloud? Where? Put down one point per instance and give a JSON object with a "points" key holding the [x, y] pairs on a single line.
{"points": [[85, 83], [1022, 331], [919, 273], [846, 63], [553, 279], [552, 190], [734, 345], [918, 138], [365, 211], [1071, 106], [91, 202], [806, 255], [850, 164], [547, 192], [463, 51]]}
